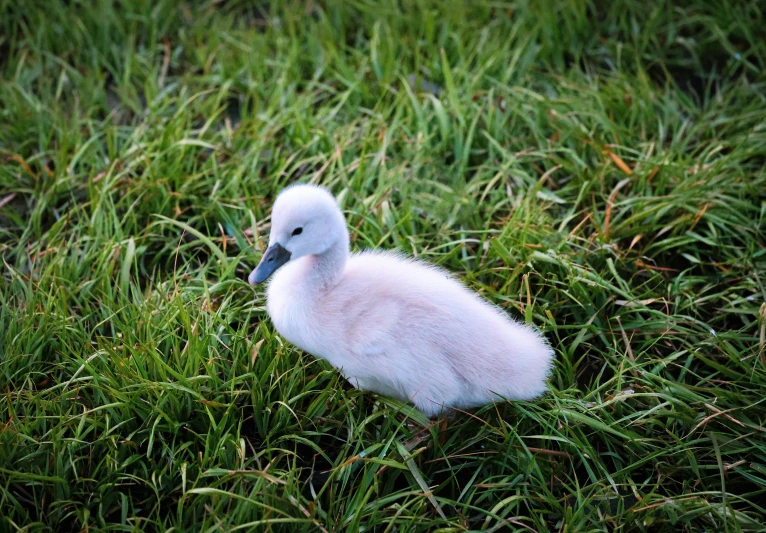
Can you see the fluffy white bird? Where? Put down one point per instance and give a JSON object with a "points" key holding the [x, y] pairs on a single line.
{"points": [[391, 325]]}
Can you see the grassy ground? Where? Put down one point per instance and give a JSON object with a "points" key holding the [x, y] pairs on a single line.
{"points": [[597, 168]]}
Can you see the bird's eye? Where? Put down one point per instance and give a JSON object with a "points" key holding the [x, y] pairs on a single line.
{"points": [[297, 231]]}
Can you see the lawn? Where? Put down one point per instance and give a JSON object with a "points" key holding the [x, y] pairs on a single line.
{"points": [[597, 168]]}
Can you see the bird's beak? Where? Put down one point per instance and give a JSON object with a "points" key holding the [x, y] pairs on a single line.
{"points": [[275, 257]]}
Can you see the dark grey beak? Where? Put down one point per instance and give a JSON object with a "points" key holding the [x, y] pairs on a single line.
{"points": [[275, 257]]}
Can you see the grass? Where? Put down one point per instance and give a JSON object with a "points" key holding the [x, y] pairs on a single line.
{"points": [[597, 168]]}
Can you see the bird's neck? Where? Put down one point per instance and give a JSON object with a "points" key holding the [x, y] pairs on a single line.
{"points": [[327, 267]]}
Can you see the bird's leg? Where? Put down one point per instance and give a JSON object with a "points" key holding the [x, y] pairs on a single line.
{"points": [[443, 420]]}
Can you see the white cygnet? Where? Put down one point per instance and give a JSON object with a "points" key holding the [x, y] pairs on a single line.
{"points": [[391, 325]]}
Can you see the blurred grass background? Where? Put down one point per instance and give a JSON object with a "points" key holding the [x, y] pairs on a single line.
{"points": [[597, 168]]}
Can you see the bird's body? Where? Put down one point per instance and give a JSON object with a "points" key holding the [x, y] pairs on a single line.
{"points": [[401, 327]]}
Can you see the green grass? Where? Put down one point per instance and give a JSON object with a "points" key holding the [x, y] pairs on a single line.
{"points": [[597, 168]]}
